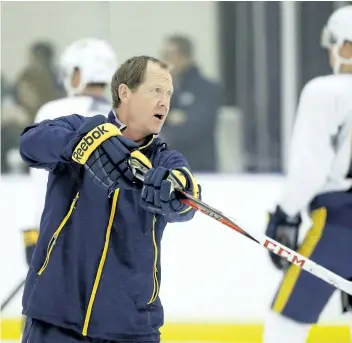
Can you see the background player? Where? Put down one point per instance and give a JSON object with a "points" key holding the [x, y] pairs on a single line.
{"points": [[87, 66], [319, 176]]}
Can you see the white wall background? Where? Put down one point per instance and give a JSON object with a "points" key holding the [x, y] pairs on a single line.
{"points": [[132, 27], [210, 273]]}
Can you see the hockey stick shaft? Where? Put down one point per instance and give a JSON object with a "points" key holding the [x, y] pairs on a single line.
{"points": [[12, 295], [270, 244]]}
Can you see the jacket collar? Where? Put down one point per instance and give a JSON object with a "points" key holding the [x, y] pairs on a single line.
{"points": [[113, 119]]}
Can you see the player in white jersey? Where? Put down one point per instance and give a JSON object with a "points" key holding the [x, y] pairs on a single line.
{"points": [[319, 179], [87, 67]]}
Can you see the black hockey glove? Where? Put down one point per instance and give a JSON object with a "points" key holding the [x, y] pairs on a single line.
{"points": [[158, 194], [284, 230], [105, 154], [30, 238]]}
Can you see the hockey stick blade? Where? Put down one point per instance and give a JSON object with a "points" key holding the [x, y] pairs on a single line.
{"points": [[268, 243]]}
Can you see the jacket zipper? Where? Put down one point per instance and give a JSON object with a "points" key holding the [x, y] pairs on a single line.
{"points": [[100, 268], [56, 234], [155, 270]]}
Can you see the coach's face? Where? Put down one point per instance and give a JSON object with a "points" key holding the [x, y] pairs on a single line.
{"points": [[150, 103]]}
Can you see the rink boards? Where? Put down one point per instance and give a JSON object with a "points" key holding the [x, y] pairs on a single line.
{"points": [[216, 285]]}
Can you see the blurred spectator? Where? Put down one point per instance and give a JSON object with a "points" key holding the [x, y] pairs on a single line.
{"points": [[13, 119], [7, 91], [190, 125], [38, 83]]}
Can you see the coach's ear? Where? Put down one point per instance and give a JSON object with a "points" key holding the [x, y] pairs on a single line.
{"points": [[124, 93]]}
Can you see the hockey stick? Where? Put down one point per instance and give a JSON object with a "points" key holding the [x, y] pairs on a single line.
{"points": [[268, 243], [12, 295]]}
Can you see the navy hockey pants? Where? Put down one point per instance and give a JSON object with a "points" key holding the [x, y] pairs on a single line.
{"points": [[302, 296]]}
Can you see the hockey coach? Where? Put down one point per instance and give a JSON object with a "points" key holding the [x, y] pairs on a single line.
{"points": [[95, 273]]}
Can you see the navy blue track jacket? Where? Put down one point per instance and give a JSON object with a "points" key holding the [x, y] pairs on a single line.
{"points": [[96, 267]]}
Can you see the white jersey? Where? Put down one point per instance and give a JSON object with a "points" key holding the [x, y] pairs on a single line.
{"points": [[321, 144], [83, 105]]}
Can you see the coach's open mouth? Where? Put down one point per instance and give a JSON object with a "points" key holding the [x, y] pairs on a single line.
{"points": [[159, 116]]}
